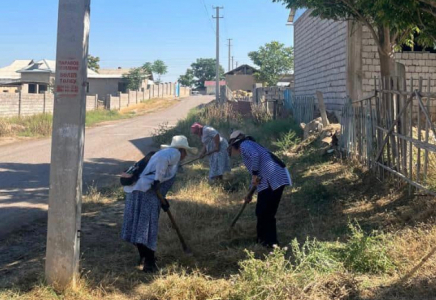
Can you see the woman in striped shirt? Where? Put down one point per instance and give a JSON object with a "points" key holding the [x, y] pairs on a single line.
{"points": [[269, 175]]}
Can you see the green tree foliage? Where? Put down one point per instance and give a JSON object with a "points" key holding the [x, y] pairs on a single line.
{"points": [[135, 77], [188, 79], [204, 69], [392, 22], [93, 63], [159, 68], [274, 60]]}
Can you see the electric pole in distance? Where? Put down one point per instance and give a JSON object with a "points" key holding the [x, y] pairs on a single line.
{"points": [[230, 45], [217, 84]]}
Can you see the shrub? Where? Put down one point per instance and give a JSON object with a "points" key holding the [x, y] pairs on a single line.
{"points": [[260, 114], [366, 253], [287, 141]]}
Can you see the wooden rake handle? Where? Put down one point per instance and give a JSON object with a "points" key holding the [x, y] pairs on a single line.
{"points": [[185, 247]]}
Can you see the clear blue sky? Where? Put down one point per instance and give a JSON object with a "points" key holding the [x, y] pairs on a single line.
{"points": [[128, 33]]}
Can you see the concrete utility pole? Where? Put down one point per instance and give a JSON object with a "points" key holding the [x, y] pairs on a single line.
{"points": [[232, 62], [217, 84], [230, 45], [65, 197]]}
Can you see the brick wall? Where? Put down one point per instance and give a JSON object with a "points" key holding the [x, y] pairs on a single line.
{"points": [[22, 104], [418, 64], [320, 59]]}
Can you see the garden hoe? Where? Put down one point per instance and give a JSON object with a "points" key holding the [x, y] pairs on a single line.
{"points": [[185, 247], [248, 196]]}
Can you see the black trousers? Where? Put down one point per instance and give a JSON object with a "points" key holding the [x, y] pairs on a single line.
{"points": [[267, 204]]}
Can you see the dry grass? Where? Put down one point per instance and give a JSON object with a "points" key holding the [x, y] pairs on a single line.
{"points": [[149, 106], [327, 195], [41, 125]]}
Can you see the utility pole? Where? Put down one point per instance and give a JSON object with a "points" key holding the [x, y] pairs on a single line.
{"points": [[65, 196], [230, 45], [232, 62], [217, 84], [236, 64]]}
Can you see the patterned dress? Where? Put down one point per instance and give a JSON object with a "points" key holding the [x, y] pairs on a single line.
{"points": [[258, 161], [141, 216], [219, 162]]}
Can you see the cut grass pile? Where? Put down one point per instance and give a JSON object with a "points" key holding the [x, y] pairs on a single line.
{"points": [[344, 235]]}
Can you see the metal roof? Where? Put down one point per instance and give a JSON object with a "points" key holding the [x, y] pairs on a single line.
{"points": [[9, 73]]}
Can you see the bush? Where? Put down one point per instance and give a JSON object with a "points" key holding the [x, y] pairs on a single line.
{"points": [[365, 253], [287, 141]]}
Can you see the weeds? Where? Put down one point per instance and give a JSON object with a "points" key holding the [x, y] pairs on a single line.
{"points": [[38, 125], [287, 141], [366, 253]]}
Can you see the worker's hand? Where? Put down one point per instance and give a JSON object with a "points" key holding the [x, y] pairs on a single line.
{"points": [[248, 199], [255, 180], [166, 206], [156, 185]]}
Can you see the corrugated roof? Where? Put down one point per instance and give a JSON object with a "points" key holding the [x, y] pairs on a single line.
{"points": [[10, 72], [231, 72], [45, 65], [213, 83]]}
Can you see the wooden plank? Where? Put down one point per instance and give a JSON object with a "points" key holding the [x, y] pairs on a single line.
{"points": [[418, 159], [427, 133], [392, 128], [416, 142], [415, 184], [411, 144]]}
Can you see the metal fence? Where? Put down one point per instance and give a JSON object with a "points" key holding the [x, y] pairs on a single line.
{"points": [[393, 131]]}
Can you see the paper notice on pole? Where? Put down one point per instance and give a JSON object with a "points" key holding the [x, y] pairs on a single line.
{"points": [[67, 83]]}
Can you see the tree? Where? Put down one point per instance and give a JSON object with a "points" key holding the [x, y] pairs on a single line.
{"points": [[188, 79], [93, 63], [148, 67], [392, 23], [204, 69], [135, 77], [159, 68], [274, 60]]}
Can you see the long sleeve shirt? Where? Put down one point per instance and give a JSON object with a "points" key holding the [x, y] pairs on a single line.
{"points": [[259, 162], [162, 167]]}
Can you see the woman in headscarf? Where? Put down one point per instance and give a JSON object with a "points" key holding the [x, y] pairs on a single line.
{"points": [[142, 207], [215, 146], [269, 175]]}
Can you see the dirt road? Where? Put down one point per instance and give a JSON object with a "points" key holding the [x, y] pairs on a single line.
{"points": [[24, 166]]}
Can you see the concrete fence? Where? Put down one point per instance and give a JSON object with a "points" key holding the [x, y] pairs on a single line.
{"points": [[164, 90], [23, 104]]}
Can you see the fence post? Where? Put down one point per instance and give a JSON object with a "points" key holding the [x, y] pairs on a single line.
{"points": [[119, 99], [96, 102], [43, 105], [19, 104], [274, 109]]}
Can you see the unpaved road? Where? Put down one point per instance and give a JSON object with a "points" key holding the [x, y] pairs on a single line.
{"points": [[25, 166]]}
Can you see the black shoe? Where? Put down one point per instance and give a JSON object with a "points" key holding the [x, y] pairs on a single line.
{"points": [[150, 267]]}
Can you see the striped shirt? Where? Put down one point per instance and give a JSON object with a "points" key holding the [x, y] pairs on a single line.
{"points": [[259, 162]]}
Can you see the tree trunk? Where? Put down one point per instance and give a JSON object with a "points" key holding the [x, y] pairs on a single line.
{"points": [[386, 52], [387, 69]]}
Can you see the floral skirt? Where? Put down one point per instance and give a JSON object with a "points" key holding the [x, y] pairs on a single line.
{"points": [[141, 216]]}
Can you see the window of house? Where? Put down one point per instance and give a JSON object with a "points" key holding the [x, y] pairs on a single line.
{"points": [[5, 91], [42, 88], [32, 88]]}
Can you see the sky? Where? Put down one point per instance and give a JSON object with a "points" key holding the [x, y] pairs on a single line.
{"points": [[129, 33]]}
